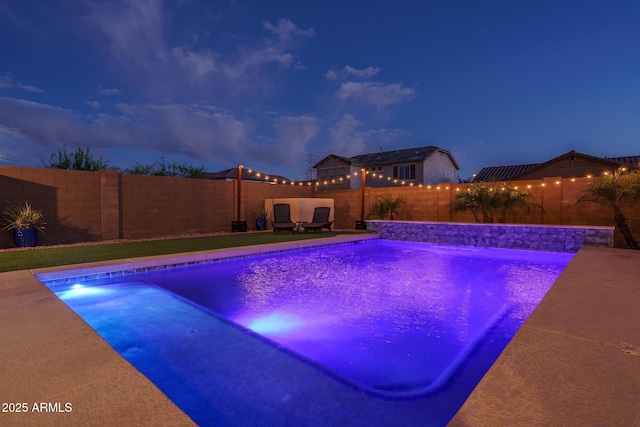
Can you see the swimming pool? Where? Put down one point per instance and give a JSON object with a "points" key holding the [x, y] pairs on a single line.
{"points": [[395, 319]]}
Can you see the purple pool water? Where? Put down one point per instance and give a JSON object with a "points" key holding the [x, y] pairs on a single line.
{"points": [[392, 318]]}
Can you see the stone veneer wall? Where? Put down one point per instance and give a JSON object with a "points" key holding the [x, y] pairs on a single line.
{"points": [[507, 236]]}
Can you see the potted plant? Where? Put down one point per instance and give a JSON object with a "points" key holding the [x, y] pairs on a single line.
{"points": [[25, 223], [261, 214]]}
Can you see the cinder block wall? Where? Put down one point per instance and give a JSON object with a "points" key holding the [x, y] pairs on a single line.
{"points": [[70, 199], [154, 206], [93, 206]]}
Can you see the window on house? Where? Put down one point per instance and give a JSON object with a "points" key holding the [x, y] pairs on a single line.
{"points": [[407, 172], [450, 174], [328, 174]]}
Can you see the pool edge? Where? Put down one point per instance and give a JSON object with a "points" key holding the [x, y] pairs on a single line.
{"points": [[187, 258], [556, 370], [31, 306]]}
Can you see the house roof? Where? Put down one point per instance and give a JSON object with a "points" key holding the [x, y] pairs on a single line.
{"points": [[631, 161], [351, 160], [507, 173], [502, 173], [388, 157], [247, 175]]}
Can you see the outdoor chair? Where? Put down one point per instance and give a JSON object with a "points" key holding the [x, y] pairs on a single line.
{"points": [[282, 218], [320, 220]]}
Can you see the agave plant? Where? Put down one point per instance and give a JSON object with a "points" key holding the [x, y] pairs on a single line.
{"points": [[260, 212], [17, 217], [614, 190]]}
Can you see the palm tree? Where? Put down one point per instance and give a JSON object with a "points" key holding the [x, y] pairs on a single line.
{"points": [[480, 199], [511, 199], [386, 206], [615, 190], [486, 201]]}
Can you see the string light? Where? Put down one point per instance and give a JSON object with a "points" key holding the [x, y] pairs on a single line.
{"points": [[258, 176], [262, 177]]}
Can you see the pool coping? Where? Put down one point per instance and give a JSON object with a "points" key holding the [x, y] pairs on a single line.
{"points": [[51, 355], [98, 270]]}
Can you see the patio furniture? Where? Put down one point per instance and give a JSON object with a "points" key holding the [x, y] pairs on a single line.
{"points": [[282, 218], [320, 220]]}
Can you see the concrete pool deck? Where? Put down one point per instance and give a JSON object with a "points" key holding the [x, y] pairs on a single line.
{"points": [[556, 370]]}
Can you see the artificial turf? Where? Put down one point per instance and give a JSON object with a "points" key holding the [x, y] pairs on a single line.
{"points": [[66, 255]]}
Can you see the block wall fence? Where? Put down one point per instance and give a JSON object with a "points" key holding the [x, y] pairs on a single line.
{"points": [[94, 206]]}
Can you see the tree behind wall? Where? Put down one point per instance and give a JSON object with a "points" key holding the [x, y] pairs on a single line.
{"points": [[163, 168], [83, 160], [80, 160]]}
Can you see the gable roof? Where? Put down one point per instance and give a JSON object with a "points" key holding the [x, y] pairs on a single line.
{"points": [[502, 173], [406, 155], [508, 173], [232, 173], [631, 161], [350, 160], [397, 156]]}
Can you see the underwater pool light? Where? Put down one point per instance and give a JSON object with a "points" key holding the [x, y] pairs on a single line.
{"points": [[274, 323]]}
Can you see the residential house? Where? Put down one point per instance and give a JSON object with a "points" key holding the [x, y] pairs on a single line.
{"points": [[567, 165], [247, 175], [411, 166]]}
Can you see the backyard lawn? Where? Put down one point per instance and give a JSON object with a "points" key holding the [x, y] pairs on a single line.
{"points": [[25, 259]]}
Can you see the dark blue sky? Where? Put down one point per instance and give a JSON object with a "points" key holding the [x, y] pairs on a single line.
{"points": [[265, 84]]}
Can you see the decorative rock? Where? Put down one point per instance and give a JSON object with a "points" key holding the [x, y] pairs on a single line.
{"points": [[551, 238]]}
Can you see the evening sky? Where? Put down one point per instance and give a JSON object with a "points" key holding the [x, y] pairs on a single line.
{"points": [[276, 85]]}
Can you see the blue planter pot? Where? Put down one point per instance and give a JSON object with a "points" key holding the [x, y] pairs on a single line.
{"points": [[25, 237], [261, 224]]}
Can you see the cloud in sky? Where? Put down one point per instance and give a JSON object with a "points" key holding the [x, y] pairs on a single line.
{"points": [[167, 118], [349, 71], [292, 135], [202, 131], [374, 93], [184, 96], [136, 36], [51, 126], [249, 75], [347, 137], [367, 92], [110, 92], [7, 83]]}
